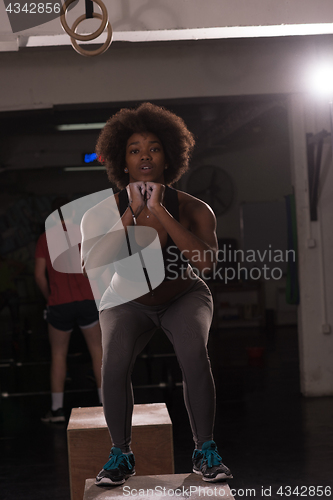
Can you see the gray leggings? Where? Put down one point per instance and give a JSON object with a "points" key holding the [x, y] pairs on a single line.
{"points": [[127, 328]]}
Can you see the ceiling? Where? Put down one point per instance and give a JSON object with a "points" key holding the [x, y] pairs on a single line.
{"points": [[151, 20]]}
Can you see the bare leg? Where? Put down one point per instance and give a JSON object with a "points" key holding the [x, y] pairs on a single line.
{"points": [[93, 338], [59, 341]]}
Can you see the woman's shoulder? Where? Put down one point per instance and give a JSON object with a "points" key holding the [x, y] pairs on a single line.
{"points": [[190, 204]]}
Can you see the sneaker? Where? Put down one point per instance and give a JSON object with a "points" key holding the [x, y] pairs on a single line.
{"points": [[208, 463], [119, 467], [54, 416]]}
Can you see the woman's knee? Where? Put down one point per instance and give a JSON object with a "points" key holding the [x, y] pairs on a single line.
{"points": [[195, 358]]}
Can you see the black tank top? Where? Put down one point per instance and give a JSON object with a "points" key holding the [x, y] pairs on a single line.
{"points": [[174, 264]]}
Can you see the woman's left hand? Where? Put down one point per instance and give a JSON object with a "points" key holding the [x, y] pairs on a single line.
{"points": [[154, 194]]}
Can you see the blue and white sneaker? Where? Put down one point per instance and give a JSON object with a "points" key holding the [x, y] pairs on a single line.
{"points": [[208, 463], [118, 468]]}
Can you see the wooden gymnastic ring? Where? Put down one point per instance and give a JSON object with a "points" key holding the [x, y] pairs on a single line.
{"points": [[84, 38], [100, 50]]}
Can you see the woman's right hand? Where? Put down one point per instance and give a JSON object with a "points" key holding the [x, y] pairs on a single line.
{"points": [[136, 196]]}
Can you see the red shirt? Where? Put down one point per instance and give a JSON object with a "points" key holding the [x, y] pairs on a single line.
{"points": [[64, 287]]}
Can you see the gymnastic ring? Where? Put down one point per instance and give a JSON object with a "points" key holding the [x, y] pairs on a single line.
{"points": [[100, 50], [84, 38]]}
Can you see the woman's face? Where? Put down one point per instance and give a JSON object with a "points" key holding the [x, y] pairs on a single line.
{"points": [[145, 159]]}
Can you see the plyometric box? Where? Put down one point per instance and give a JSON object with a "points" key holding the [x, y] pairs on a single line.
{"points": [[89, 443], [186, 486]]}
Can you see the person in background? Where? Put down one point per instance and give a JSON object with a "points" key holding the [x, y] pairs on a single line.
{"points": [[69, 301]]}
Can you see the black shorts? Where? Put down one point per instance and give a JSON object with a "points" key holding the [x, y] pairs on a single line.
{"points": [[65, 316]]}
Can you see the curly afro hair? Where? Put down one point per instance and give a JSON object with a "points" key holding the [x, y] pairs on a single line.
{"points": [[176, 139]]}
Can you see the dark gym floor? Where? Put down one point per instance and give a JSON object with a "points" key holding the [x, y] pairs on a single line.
{"points": [[267, 433]]}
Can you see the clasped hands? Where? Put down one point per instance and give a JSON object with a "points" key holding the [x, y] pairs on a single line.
{"points": [[141, 194]]}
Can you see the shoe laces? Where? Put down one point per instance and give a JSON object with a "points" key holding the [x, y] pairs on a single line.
{"points": [[210, 455], [117, 459]]}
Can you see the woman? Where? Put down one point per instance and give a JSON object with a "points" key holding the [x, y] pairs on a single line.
{"points": [[70, 302], [145, 150]]}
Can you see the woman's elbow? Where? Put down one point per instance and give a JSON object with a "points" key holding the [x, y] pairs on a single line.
{"points": [[208, 262]]}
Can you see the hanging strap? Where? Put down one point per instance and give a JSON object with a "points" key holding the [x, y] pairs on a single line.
{"points": [[89, 9]]}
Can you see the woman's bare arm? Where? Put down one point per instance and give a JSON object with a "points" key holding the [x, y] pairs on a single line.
{"points": [[40, 276], [199, 241]]}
